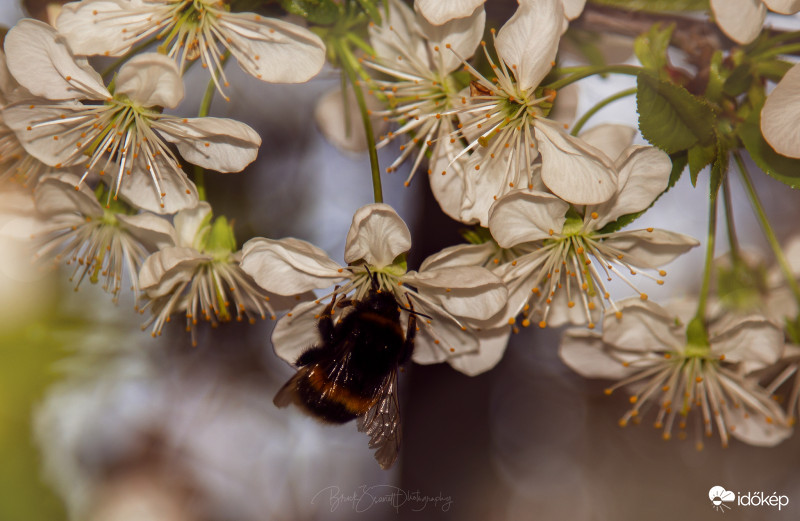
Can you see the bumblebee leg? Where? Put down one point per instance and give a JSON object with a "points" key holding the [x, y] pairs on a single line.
{"points": [[411, 332], [325, 325]]}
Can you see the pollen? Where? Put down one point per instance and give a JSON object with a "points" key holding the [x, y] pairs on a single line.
{"points": [[542, 324]]}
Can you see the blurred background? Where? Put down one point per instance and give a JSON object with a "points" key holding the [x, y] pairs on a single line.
{"points": [[98, 421]]}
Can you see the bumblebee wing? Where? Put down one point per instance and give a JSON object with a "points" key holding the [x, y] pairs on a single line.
{"points": [[287, 394], [382, 424]]}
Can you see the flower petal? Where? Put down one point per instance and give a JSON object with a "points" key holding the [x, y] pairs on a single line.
{"points": [[642, 177], [573, 8], [93, 26], [41, 61], [585, 353], [59, 193], [753, 341], [740, 20], [754, 429], [154, 232], [188, 223], [399, 38], [439, 12], [140, 190], [528, 42], [54, 143], [464, 291], [151, 80], [297, 331], [456, 39], [780, 115], [165, 269], [521, 217], [783, 6], [611, 138], [643, 326], [344, 130], [441, 336], [651, 248], [460, 255], [219, 144], [573, 170], [447, 174], [289, 266], [377, 236], [491, 347], [272, 50]]}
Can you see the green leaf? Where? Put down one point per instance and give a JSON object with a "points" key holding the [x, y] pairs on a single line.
{"points": [[699, 158], [670, 117], [657, 6], [784, 169], [740, 80], [719, 169], [322, 12], [651, 47]]}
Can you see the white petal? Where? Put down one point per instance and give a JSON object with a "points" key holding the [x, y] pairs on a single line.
{"points": [[491, 347], [643, 327], [573, 170], [528, 42], [140, 191], [272, 50], [39, 141], [289, 266], [464, 291], [153, 231], [41, 61], [56, 193], [94, 27], [642, 177], [781, 113], [611, 138], [573, 8], [377, 235], [440, 337], [439, 12], [456, 39], [741, 20], [566, 106], [586, 354], [219, 144], [521, 217], [447, 174], [151, 80], [166, 268], [460, 255], [297, 331], [753, 341], [188, 223], [754, 429], [651, 249], [399, 38], [783, 6]]}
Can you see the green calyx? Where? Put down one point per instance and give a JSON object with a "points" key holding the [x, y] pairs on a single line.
{"points": [[216, 239], [741, 287], [697, 345], [397, 268]]}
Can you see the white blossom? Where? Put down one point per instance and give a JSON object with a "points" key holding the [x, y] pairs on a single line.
{"points": [[649, 354], [513, 145], [271, 50], [103, 244], [201, 276], [125, 132], [557, 256], [455, 298]]}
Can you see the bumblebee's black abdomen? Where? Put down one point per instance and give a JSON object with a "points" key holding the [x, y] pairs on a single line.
{"points": [[331, 402]]}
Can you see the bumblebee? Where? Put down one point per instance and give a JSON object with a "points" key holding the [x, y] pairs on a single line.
{"points": [[352, 374]]}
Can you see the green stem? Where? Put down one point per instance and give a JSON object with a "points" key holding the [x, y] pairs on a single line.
{"points": [[699, 317], [783, 49], [578, 73], [350, 66], [600, 104], [765, 225], [134, 50], [732, 240], [205, 107]]}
